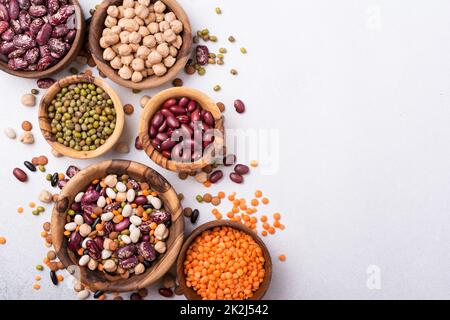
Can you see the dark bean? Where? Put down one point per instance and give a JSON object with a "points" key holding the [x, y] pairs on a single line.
{"points": [[162, 136], [44, 34], [98, 294], [177, 110], [166, 113], [173, 122], [45, 83], [196, 116], [183, 102], [208, 118], [163, 127], [55, 179], [135, 296], [194, 216], [215, 176], [169, 103], [138, 144], [168, 144], [202, 53], [4, 14], [30, 166], [38, 11], [53, 277], [241, 169], [192, 105], [153, 132], [236, 177], [239, 106], [157, 120], [166, 292], [20, 174], [141, 200]]}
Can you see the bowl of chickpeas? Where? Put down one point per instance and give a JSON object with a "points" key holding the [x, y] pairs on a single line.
{"points": [[224, 260], [81, 117], [140, 44]]}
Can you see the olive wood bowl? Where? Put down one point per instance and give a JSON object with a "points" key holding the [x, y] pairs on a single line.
{"points": [[44, 121], [155, 104], [77, 44], [97, 280], [189, 293], [95, 33]]}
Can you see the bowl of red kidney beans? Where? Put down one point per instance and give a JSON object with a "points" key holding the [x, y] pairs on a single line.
{"points": [[181, 129], [39, 37]]}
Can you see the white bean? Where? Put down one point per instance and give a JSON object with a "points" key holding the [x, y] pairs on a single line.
{"points": [[10, 133], [101, 202], [71, 226], [126, 239], [83, 294], [107, 216], [78, 219], [156, 203], [131, 194], [139, 269], [84, 260], [127, 210], [92, 264], [106, 254], [111, 180], [134, 235], [135, 220], [160, 246], [85, 229], [160, 231], [78, 197], [121, 187], [111, 193]]}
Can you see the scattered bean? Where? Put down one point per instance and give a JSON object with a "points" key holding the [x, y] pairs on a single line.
{"points": [[54, 277], [28, 100], [27, 138], [194, 216], [241, 169], [236, 177], [239, 106], [20, 175], [166, 292], [128, 109], [144, 100], [10, 133], [215, 176]]}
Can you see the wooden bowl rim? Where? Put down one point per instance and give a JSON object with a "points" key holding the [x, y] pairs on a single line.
{"points": [[189, 293], [148, 82], [155, 104], [164, 261], [67, 151], [68, 58]]}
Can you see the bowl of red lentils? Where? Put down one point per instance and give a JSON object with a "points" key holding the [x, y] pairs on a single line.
{"points": [[120, 224], [224, 260]]}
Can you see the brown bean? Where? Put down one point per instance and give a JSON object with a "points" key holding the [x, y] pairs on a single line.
{"points": [[166, 292], [241, 169], [20, 174], [216, 176], [192, 105], [236, 177], [27, 126], [239, 106], [128, 109], [177, 110], [138, 143]]}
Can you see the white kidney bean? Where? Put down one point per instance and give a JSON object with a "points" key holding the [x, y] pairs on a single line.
{"points": [[121, 187], [127, 210], [135, 220], [85, 229], [78, 197], [156, 203], [101, 202], [106, 254], [78, 219], [111, 193], [134, 235], [71, 226], [84, 260], [107, 216], [126, 239], [131, 194], [121, 196], [10, 133]]}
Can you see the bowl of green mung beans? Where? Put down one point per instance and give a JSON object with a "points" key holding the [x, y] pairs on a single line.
{"points": [[81, 116]]}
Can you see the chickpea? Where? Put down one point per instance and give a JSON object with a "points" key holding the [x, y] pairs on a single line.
{"points": [[142, 52], [116, 47], [106, 31], [129, 24], [170, 16], [144, 73], [121, 12], [159, 7], [148, 64], [178, 42], [128, 3], [159, 17], [154, 57], [159, 38], [143, 31], [149, 41], [110, 21], [163, 26], [109, 40], [169, 36], [109, 54], [125, 50], [134, 46], [151, 7], [173, 51], [159, 69], [116, 29], [141, 11], [169, 61], [125, 72], [129, 13], [144, 2], [163, 50], [137, 76], [150, 18], [153, 28], [113, 11], [115, 63], [176, 26], [135, 37], [125, 37], [138, 64], [126, 60], [150, 72], [139, 21]]}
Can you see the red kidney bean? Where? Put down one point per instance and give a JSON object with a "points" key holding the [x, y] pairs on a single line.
{"points": [[169, 132], [157, 120], [183, 102], [239, 106], [17, 53], [236, 177], [208, 118], [166, 113], [7, 47], [192, 106], [32, 55], [17, 64], [153, 132], [25, 20], [70, 36], [168, 144], [99, 241], [141, 200], [74, 242], [45, 62], [45, 83], [60, 31], [215, 176], [138, 143], [229, 160], [20, 174], [187, 128], [163, 127], [52, 6], [162, 136], [62, 15], [173, 122], [8, 35], [184, 119], [122, 225], [170, 103], [166, 292], [241, 169], [196, 116], [156, 143], [167, 154], [24, 41], [177, 110]]}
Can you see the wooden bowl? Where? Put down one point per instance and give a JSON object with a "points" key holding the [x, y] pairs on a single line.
{"points": [[97, 280], [155, 103], [189, 293], [95, 33], [64, 62], [44, 121]]}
